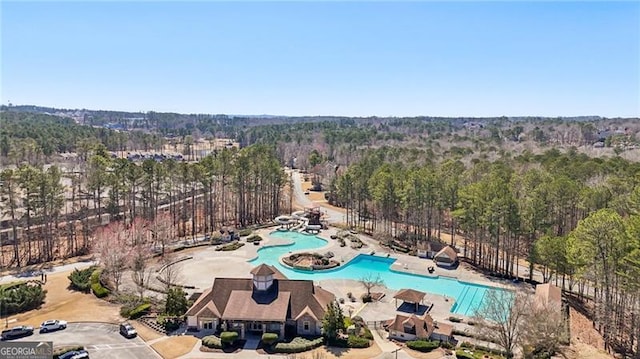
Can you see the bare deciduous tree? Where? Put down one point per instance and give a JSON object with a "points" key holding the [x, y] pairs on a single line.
{"points": [[371, 281], [163, 231], [141, 270], [501, 317], [170, 273], [545, 331], [110, 244]]}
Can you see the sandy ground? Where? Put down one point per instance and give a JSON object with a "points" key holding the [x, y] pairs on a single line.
{"points": [[62, 303], [174, 347]]}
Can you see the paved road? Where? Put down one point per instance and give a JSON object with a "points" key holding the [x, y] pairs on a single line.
{"points": [[35, 273], [103, 341], [333, 216]]}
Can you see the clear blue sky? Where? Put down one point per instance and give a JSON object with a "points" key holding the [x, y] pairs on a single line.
{"points": [[319, 58]]}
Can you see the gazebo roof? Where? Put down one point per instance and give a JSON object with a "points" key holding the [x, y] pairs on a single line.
{"points": [[410, 295], [448, 252]]}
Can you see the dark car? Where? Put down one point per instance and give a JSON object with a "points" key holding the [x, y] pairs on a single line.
{"points": [[17, 332], [127, 330], [75, 354]]}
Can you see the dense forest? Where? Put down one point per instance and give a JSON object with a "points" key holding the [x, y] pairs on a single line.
{"points": [[511, 194]]}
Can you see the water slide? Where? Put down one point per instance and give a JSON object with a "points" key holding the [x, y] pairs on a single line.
{"points": [[284, 220], [303, 221]]}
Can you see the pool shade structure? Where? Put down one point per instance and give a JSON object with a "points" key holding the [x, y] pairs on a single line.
{"points": [[446, 257], [411, 296]]}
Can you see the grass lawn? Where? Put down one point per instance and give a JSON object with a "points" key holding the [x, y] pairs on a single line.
{"points": [[174, 347], [145, 332]]}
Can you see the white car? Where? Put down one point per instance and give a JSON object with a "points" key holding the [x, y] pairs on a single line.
{"points": [[51, 325]]}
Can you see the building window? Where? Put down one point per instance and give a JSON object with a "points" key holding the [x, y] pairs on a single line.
{"points": [[207, 325], [305, 326]]}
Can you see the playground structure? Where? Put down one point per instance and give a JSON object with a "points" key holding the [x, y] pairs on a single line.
{"points": [[310, 220]]}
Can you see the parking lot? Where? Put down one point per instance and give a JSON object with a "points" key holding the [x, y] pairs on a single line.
{"points": [[102, 341]]}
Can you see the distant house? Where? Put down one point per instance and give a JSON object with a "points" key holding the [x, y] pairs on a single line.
{"points": [[267, 302], [446, 257], [414, 327]]}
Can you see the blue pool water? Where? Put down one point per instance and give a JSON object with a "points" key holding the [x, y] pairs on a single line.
{"points": [[468, 297]]}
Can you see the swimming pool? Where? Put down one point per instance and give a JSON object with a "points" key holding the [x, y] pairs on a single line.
{"points": [[468, 296]]}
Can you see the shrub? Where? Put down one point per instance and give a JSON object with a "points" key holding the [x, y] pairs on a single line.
{"points": [[139, 311], [230, 247], [228, 337], [20, 297], [211, 341], [58, 352], [366, 298], [245, 232], [455, 319], [269, 338], [81, 279], [447, 345], [99, 291], [298, 345], [422, 345], [367, 334], [254, 238], [96, 287], [358, 342], [460, 354], [168, 323]]}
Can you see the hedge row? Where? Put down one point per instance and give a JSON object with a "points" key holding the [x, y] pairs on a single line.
{"points": [[96, 287], [211, 341], [298, 345], [467, 345], [139, 311], [424, 346], [358, 342], [58, 352], [254, 238]]}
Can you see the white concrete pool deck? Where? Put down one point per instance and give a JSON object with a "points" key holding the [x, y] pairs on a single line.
{"points": [[207, 264]]}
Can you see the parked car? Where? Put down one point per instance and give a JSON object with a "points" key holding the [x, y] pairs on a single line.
{"points": [[51, 325], [17, 332], [127, 330], [75, 354]]}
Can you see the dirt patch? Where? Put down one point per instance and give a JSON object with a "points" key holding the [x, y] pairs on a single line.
{"points": [[65, 304], [586, 342], [581, 351], [434, 354], [342, 353], [175, 347]]}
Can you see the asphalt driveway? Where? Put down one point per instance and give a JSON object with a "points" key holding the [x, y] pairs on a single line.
{"points": [[103, 341]]}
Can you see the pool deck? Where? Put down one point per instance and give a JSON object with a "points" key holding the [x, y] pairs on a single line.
{"points": [[206, 264]]}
